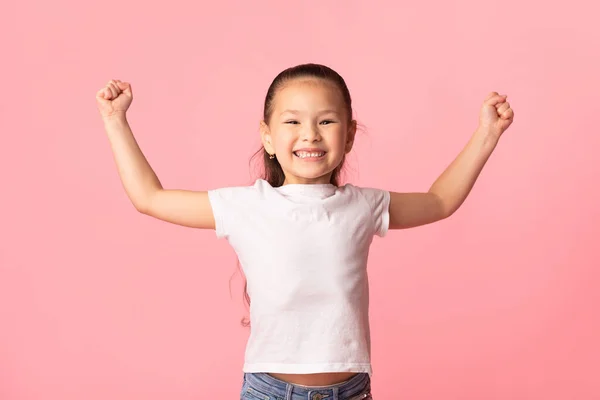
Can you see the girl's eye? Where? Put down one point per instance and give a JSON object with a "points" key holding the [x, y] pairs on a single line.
{"points": [[326, 122]]}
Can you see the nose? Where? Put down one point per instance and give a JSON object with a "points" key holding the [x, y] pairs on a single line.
{"points": [[311, 134]]}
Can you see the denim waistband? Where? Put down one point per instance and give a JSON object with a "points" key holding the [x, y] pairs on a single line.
{"points": [[276, 387]]}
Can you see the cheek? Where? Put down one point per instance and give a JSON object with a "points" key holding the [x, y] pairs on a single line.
{"points": [[284, 142], [339, 139]]}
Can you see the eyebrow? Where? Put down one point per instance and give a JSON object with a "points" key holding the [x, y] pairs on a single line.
{"points": [[299, 112]]}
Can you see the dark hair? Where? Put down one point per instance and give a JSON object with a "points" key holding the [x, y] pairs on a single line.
{"points": [[272, 171]]}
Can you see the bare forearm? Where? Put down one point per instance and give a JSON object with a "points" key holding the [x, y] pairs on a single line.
{"points": [[137, 176], [456, 182]]}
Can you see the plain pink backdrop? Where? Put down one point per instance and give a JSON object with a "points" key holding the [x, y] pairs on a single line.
{"points": [[100, 302]]}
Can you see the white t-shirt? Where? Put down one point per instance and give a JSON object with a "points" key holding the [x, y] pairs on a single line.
{"points": [[304, 250]]}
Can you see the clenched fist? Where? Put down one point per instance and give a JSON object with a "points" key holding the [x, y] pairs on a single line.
{"points": [[114, 99], [496, 115]]}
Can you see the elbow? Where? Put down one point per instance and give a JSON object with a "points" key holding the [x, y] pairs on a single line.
{"points": [[444, 209], [143, 202], [141, 206]]}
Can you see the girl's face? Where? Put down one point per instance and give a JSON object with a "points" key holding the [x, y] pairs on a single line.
{"points": [[309, 131]]}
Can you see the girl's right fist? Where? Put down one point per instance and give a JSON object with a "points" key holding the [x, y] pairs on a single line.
{"points": [[115, 98]]}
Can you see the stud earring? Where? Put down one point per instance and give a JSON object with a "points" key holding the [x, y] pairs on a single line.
{"points": [[271, 156]]}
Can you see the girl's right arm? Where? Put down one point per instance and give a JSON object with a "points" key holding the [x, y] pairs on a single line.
{"points": [[182, 207]]}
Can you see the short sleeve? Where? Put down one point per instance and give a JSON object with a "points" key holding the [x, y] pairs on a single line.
{"points": [[379, 203], [228, 204], [217, 202]]}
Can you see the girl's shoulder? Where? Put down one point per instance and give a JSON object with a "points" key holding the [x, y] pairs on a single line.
{"points": [[368, 191], [243, 192]]}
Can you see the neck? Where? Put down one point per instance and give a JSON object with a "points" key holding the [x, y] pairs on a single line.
{"points": [[295, 180]]}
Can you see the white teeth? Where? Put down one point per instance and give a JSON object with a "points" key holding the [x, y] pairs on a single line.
{"points": [[303, 154]]}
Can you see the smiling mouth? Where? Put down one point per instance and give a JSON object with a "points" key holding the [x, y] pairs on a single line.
{"points": [[309, 154]]}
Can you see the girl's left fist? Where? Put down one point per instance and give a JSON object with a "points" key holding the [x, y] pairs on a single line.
{"points": [[496, 115]]}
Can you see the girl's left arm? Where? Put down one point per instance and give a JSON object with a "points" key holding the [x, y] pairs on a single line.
{"points": [[452, 187]]}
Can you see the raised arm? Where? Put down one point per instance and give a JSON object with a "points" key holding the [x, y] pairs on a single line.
{"points": [[182, 207], [452, 187]]}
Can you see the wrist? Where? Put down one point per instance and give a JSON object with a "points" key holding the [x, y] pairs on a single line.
{"points": [[485, 138], [117, 118]]}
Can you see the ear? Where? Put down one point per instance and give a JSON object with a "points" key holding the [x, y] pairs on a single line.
{"points": [[350, 136], [265, 136]]}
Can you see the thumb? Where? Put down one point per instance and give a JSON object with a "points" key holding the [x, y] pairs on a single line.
{"points": [[495, 100], [101, 95], [125, 87]]}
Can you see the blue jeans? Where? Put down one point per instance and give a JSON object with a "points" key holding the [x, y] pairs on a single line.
{"points": [[262, 386]]}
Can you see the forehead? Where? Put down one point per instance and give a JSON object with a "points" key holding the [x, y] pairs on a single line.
{"points": [[309, 93]]}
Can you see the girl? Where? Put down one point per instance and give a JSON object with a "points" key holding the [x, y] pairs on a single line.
{"points": [[302, 239]]}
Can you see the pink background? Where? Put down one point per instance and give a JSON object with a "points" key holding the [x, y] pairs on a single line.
{"points": [[100, 302]]}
